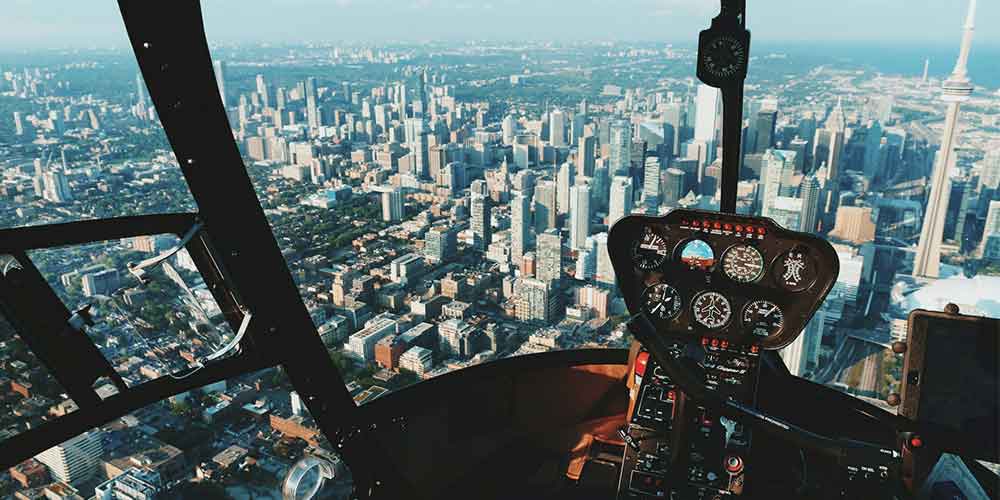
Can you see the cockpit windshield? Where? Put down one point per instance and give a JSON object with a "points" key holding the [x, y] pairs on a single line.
{"points": [[79, 138], [442, 177], [467, 185]]}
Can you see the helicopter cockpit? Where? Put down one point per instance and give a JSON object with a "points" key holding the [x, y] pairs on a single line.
{"points": [[618, 301]]}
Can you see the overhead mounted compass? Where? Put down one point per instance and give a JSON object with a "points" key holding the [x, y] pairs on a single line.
{"points": [[723, 57]]}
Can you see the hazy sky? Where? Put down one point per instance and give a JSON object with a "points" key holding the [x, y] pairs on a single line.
{"points": [[28, 23]]}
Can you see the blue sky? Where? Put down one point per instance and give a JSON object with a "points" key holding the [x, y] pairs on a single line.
{"points": [[32, 23]]}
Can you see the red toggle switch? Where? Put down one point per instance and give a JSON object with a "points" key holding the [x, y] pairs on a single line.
{"points": [[640, 363]]}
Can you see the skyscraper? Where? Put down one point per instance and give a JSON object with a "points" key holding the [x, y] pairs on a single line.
{"points": [[620, 155], [810, 194], [766, 121], [534, 300], [140, 88], [18, 124], [509, 129], [770, 179], [392, 204], [620, 203], [651, 182], [75, 460], [520, 219], [992, 226], [545, 206], [673, 189], [549, 255], [605, 272], [956, 90], [482, 232], [557, 128], [579, 216], [989, 176], [220, 80], [56, 187], [586, 260], [708, 104], [440, 244], [262, 92], [563, 185], [585, 156]]}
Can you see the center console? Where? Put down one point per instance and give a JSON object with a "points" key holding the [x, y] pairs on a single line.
{"points": [[720, 289]]}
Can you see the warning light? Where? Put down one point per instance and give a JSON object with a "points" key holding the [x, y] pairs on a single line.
{"points": [[916, 442], [724, 344], [727, 226], [715, 342], [754, 349], [695, 223], [761, 230], [717, 225]]}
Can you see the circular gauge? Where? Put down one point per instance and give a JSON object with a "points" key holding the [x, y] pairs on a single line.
{"points": [[649, 251], [795, 271], [724, 56], [698, 255], [661, 301], [712, 310], [763, 317], [743, 264]]}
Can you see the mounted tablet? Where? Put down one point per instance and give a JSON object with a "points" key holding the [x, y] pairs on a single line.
{"points": [[950, 381]]}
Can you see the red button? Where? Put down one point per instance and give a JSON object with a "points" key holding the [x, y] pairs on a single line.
{"points": [[754, 348], [727, 227], [695, 223], [916, 442], [706, 224], [725, 344], [715, 342], [750, 229], [761, 230], [739, 228], [640, 363], [704, 341]]}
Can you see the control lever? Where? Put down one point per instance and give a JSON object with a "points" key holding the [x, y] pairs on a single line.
{"points": [[633, 442]]}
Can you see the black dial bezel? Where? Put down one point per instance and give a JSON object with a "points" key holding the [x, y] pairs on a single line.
{"points": [[735, 48], [676, 309], [749, 325], [694, 309], [662, 257], [761, 269]]}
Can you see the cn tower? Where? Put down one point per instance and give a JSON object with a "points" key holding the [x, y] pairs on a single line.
{"points": [[955, 90]]}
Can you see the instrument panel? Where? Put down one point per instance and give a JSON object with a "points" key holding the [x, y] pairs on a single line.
{"points": [[735, 278]]}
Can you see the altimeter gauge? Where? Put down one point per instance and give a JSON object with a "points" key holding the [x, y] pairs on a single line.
{"points": [[649, 251]]}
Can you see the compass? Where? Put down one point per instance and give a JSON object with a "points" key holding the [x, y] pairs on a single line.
{"points": [[724, 56]]}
